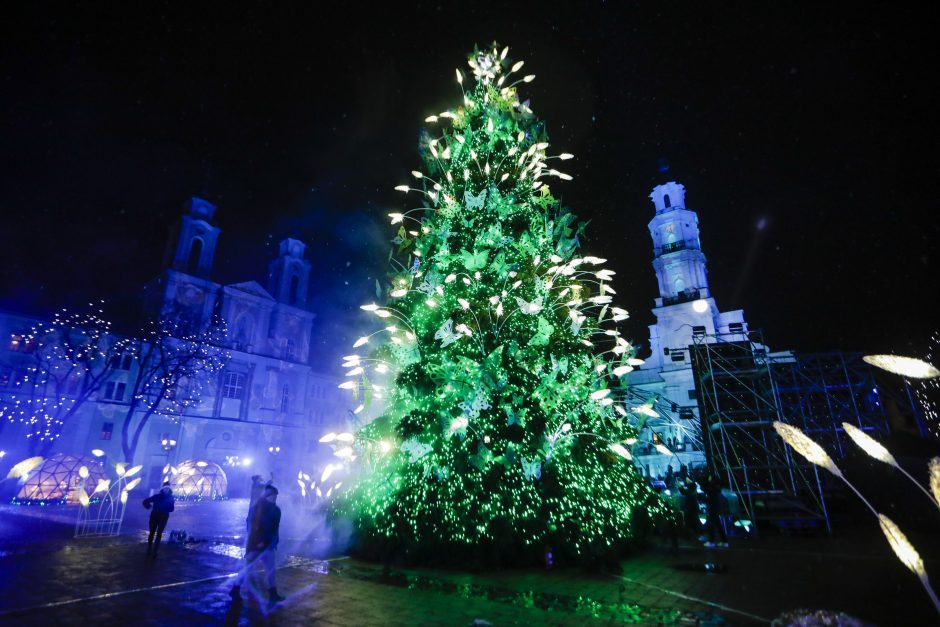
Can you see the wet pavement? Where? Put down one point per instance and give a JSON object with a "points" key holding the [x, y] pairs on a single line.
{"points": [[46, 577]]}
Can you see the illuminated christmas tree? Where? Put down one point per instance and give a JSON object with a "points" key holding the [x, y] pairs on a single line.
{"points": [[504, 429]]}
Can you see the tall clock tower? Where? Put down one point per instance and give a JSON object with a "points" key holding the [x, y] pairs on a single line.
{"points": [[684, 309]]}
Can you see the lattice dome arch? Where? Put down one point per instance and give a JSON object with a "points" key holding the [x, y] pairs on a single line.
{"points": [[198, 480], [58, 479]]}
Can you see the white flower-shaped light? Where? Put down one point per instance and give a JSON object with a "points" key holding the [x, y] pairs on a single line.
{"points": [[869, 445], [806, 447], [904, 366], [485, 67], [901, 546]]}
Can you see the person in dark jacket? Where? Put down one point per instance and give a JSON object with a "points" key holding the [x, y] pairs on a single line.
{"points": [[690, 511], [162, 504], [257, 492], [713, 498], [263, 536]]}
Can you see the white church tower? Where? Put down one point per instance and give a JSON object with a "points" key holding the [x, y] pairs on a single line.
{"points": [[684, 307]]}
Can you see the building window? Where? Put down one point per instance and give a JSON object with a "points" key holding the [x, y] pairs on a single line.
{"points": [[294, 286], [16, 342], [122, 361], [234, 385], [285, 398], [678, 356], [114, 390], [289, 350], [20, 342], [693, 394], [106, 430], [195, 255], [666, 202], [20, 377]]}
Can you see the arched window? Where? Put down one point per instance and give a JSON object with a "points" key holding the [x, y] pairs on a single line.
{"points": [[294, 285], [195, 253], [666, 202], [680, 285], [285, 398]]}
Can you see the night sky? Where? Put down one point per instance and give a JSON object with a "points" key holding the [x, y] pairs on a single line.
{"points": [[817, 124]]}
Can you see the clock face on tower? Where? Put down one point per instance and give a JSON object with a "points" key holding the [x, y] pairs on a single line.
{"points": [[670, 228]]}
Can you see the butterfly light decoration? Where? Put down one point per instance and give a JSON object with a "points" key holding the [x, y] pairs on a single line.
{"points": [[415, 449], [531, 469], [473, 407], [446, 333], [529, 308], [474, 202]]}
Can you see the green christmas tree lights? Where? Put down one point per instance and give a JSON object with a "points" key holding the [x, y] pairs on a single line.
{"points": [[504, 426]]}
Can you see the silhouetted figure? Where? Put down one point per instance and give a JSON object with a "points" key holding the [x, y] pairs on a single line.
{"points": [[263, 536], [162, 504], [257, 491], [690, 511], [670, 478], [713, 498]]}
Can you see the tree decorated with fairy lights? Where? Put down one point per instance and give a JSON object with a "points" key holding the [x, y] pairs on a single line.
{"points": [[504, 426], [174, 358], [69, 360]]}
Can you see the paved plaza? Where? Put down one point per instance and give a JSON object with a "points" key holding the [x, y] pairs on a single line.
{"points": [[47, 578]]}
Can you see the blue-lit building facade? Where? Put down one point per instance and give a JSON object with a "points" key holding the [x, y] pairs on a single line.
{"points": [[683, 307], [264, 412]]}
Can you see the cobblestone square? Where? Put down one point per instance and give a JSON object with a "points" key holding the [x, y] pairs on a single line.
{"points": [[46, 578]]}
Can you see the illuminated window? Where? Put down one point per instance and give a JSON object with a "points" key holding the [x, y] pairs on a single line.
{"points": [[17, 342], [234, 385]]}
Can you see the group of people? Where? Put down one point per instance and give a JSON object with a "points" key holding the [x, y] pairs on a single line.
{"points": [[684, 488], [262, 523]]}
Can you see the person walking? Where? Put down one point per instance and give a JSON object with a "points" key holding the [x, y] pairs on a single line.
{"points": [[162, 504], [263, 536]]}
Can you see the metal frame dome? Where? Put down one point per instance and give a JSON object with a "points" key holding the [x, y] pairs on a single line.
{"points": [[57, 479], [198, 480]]}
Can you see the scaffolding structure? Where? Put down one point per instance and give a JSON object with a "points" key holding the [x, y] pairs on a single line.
{"points": [[818, 392], [738, 403]]}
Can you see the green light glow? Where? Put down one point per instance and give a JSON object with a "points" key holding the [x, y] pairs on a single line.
{"points": [[499, 416]]}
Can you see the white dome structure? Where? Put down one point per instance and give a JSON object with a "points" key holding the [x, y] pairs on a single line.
{"points": [[198, 480], [58, 479]]}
